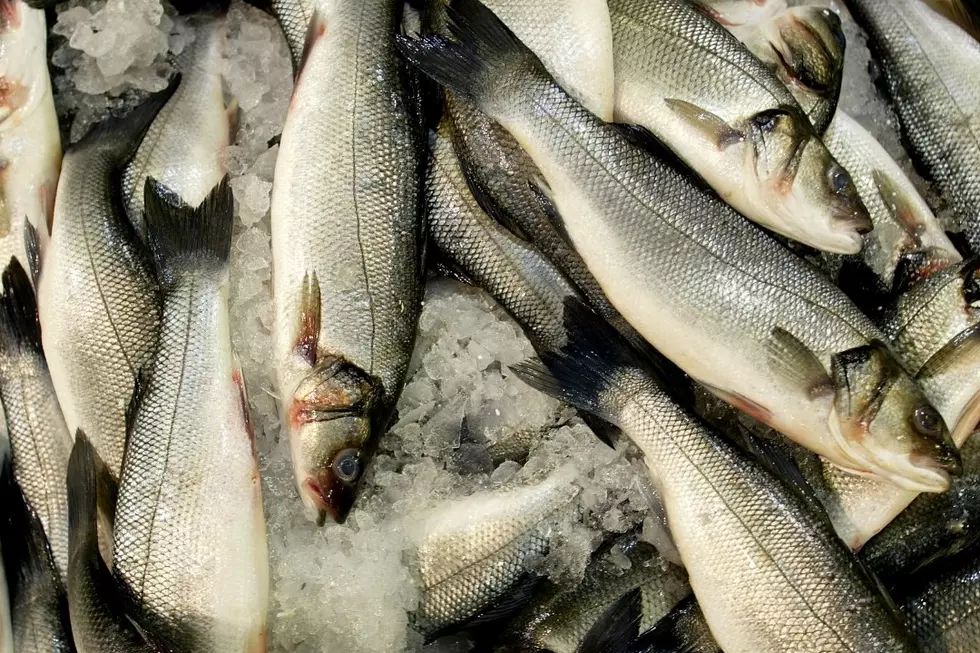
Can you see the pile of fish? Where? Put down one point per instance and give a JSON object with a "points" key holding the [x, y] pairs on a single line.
{"points": [[727, 276]]}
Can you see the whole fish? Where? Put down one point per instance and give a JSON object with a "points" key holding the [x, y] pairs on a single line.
{"points": [[558, 620], [931, 71], [692, 84], [906, 234], [805, 48], [189, 536], [934, 526], [98, 620], [40, 442], [184, 148], [772, 558], [474, 551], [30, 143], [740, 13], [515, 273], [98, 298], [38, 608], [347, 246], [942, 606], [726, 303]]}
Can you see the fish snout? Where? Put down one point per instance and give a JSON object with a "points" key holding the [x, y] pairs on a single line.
{"points": [[327, 496]]}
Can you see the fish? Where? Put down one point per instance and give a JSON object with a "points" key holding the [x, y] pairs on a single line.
{"points": [[740, 13], [558, 619], [722, 300], [189, 543], [765, 536], [805, 47], [513, 271], [185, 146], [30, 142], [98, 298], [347, 247], [933, 527], [930, 70], [472, 552], [695, 87], [40, 442], [38, 606], [907, 238], [98, 620], [942, 606]]}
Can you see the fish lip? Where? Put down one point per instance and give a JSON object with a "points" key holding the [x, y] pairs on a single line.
{"points": [[325, 501], [933, 479]]}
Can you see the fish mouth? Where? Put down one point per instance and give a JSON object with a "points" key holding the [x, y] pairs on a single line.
{"points": [[922, 474], [324, 496]]}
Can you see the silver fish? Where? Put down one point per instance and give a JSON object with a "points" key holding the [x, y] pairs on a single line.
{"points": [[906, 231], [805, 47], [347, 245], [943, 606], [931, 70], [470, 552], [40, 442], [727, 304], [30, 143], [98, 298], [189, 535], [700, 91], [516, 274], [38, 607], [184, 148], [558, 620], [98, 620]]}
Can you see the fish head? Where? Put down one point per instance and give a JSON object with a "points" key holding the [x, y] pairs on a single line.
{"points": [[808, 47], [331, 427], [885, 423], [824, 202]]}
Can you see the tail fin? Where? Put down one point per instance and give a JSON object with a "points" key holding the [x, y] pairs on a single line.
{"points": [[181, 235], [20, 329], [83, 498], [592, 362], [121, 136], [480, 59]]}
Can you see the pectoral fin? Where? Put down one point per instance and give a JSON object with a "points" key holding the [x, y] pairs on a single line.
{"points": [[793, 361], [711, 126], [308, 329], [898, 204]]}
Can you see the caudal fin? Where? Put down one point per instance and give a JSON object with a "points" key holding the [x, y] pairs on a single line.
{"points": [[183, 236], [481, 60]]}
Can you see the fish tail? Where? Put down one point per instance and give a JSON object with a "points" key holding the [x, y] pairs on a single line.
{"points": [[181, 235], [480, 63], [82, 496], [20, 329], [120, 136], [594, 365]]}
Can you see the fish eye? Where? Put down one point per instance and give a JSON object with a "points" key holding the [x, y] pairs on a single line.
{"points": [[839, 179], [927, 421], [347, 465]]}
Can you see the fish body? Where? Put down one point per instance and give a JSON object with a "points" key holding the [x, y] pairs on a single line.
{"points": [[721, 299], [347, 244], [804, 46], [904, 226], [30, 142], [189, 536], [470, 552], [98, 298], [98, 620], [516, 274], [558, 620], [931, 71], [184, 148], [727, 115], [38, 607], [40, 442], [942, 606]]}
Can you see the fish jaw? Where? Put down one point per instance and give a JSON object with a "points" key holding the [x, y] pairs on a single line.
{"points": [[330, 420]]}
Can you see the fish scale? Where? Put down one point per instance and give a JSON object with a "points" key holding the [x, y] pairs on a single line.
{"points": [[931, 70]]}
